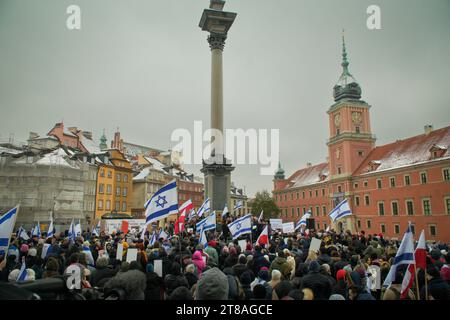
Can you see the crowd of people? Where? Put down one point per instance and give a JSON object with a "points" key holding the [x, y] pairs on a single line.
{"points": [[284, 269]]}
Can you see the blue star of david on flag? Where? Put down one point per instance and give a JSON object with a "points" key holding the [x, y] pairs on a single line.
{"points": [[161, 201]]}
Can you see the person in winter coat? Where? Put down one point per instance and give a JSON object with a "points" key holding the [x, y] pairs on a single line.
{"points": [[341, 286], [213, 257], [317, 282], [438, 289], [291, 262], [191, 275], [393, 292], [197, 260], [175, 279], [280, 263], [246, 280], [102, 272], [241, 266]]}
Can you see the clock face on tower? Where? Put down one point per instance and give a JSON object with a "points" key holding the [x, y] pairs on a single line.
{"points": [[337, 119]]}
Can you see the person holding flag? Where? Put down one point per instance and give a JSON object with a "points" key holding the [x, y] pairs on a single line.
{"points": [[72, 234]]}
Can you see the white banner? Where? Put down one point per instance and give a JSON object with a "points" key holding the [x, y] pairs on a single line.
{"points": [[288, 227], [276, 224]]}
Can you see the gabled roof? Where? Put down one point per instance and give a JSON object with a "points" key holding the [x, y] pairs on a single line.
{"points": [[309, 175], [407, 152]]}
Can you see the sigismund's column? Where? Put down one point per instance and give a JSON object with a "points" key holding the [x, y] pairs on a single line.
{"points": [[217, 169]]}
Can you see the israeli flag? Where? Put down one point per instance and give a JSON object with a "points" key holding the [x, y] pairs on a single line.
{"points": [[50, 231], [78, 228], [302, 221], [208, 223], [163, 203], [238, 205], [241, 226], [153, 239], [144, 229], [341, 210], [163, 235], [71, 234], [225, 211], [22, 233], [405, 255], [191, 214], [96, 230], [36, 230], [203, 240], [204, 208], [23, 274], [7, 222]]}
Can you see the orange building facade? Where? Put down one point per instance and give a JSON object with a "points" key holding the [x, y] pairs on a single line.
{"points": [[114, 184], [386, 186]]}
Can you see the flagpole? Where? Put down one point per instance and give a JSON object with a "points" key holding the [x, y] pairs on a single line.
{"points": [[417, 282]]}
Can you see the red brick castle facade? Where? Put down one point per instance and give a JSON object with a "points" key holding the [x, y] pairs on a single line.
{"points": [[387, 186]]}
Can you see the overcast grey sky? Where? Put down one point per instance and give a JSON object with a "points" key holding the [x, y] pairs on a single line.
{"points": [[144, 65]]}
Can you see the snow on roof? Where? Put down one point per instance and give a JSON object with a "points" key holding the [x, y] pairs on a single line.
{"points": [[56, 157], [405, 152], [69, 133], [309, 175], [91, 146], [142, 175], [4, 150], [158, 165]]}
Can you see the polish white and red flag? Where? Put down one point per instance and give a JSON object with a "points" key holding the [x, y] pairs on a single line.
{"points": [[264, 236], [183, 209], [420, 258]]}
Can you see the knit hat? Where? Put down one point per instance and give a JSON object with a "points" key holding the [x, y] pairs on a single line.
{"points": [[213, 285], [314, 266], [341, 274], [24, 248], [32, 252]]}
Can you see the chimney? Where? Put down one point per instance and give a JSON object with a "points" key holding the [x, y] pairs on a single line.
{"points": [[73, 130], [308, 164], [428, 129]]}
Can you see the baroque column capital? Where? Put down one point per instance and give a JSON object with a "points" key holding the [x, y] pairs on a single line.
{"points": [[217, 40]]}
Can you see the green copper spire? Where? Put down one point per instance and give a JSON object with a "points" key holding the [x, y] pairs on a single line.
{"points": [[346, 87], [103, 141], [279, 174]]}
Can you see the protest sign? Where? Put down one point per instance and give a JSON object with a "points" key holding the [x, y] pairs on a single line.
{"points": [[315, 245], [242, 244], [374, 278], [276, 224], [119, 252], [132, 254], [288, 227], [157, 267]]}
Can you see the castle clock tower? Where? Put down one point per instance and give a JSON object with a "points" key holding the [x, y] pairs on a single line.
{"points": [[351, 138]]}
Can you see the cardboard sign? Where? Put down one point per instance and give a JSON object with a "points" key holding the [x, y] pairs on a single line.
{"points": [[276, 224], [242, 244], [157, 267], [132, 254], [204, 259], [124, 226], [288, 227], [119, 252], [285, 240], [315, 245], [375, 277], [45, 250]]}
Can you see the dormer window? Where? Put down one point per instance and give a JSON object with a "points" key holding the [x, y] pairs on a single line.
{"points": [[437, 151], [374, 164]]}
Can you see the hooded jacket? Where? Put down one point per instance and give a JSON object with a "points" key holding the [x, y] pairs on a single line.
{"points": [[197, 259], [281, 265]]}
